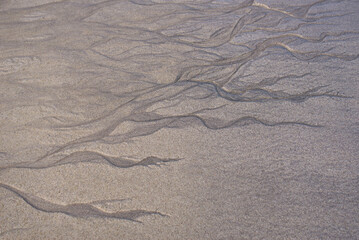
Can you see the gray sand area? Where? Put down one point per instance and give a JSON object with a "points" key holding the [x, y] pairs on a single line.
{"points": [[179, 119]]}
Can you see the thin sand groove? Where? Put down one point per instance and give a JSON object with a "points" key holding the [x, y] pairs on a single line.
{"points": [[78, 210], [92, 157]]}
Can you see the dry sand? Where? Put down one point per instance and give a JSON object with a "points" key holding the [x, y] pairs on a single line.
{"points": [[179, 119]]}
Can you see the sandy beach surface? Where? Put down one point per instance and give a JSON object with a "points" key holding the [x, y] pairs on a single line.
{"points": [[179, 119]]}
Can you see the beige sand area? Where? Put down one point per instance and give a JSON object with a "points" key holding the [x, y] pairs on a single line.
{"points": [[179, 119]]}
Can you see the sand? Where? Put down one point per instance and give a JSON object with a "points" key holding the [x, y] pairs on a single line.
{"points": [[179, 119]]}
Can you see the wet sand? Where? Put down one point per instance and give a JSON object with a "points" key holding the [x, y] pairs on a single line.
{"points": [[178, 119]]}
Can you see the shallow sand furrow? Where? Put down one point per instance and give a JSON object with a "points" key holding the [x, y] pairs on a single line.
{"points": [[79, 210]]}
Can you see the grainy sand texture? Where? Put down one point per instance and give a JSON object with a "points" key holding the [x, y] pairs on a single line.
{"points": [[179, 119]]}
